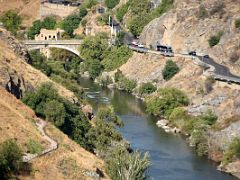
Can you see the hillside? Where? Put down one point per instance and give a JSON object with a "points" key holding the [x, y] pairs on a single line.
{"points": [[69, 161], [28, 9]]}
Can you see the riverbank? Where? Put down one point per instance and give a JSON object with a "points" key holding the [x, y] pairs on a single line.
{"points": [[141, 131]]}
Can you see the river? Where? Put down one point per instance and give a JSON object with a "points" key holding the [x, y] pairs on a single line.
{"points": [[171, 157]]}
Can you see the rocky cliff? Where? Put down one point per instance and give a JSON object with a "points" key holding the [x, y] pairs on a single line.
{"points": [[190, 24], [16, 75]]}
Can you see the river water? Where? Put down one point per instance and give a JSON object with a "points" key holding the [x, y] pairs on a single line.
{"points": [[171, 157]]}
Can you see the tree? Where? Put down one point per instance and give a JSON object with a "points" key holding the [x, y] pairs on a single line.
{"points": [[55, 112], [10, 158], [214, 40], [34, 29], [82, 11], [147, 88], [165, 101], [94, 47], [124, 165], [170, 70], [70, 23], [49, 22], [11, 21], [111, 3]]}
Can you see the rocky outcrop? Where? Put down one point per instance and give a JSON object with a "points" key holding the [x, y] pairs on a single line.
{"points": [[16, 46]]}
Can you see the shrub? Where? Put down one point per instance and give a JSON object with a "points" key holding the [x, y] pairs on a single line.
{"points": [[237, 23], [75, 124], [70, 23], [116, 58], [147, 88], [121, 11], [209, 82], [111, 3], [170, 70], [11, 21], [118, 75], [34, 147], [208, 117], [10, 158], [94, 67], [202, 13], [89, 3], [233, 151], [82, 11], [49, 22], [214, 40], [165, 101], [104, 133], [124, 165], [94, 47], [127, 84]]}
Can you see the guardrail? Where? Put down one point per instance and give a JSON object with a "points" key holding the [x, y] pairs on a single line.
{"points": [[65, 42]]}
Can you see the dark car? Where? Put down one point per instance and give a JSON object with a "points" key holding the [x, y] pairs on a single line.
{"points": [[206, 56], [192, 53]]}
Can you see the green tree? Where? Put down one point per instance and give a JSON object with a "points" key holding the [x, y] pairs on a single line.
{"points": [[82, 11], [94, 47], [170, 70], [111, 3], [124, 165], [121, 11], [70, 23], [34, 29], [10, 158], [55, 112], [209, 117], [49, 22], [165, 101], [11, 21], [116, 57]]}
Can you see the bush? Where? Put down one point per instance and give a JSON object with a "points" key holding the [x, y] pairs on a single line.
{"points": [[121, 11], [165, 101], [75, 124], [10, 158], [170, 70], [104, 133], [208, 117], [214, 40], [89, 3], [147, 88], [11, 21], [94, 67], [34, 147], [237, 23], [111, 3], [202, 14], [94, 47], [116, 58], [233, 152], [49, 22], [127, 84], [70, 23], [124, 165]]}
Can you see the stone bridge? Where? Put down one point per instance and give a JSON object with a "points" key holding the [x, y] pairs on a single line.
{"points": [[69, 45]]}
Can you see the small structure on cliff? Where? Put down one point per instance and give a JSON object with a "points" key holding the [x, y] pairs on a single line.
{"points": [[46, 34]]}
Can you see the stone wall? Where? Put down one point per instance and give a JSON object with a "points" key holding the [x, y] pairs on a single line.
{"points": [[48, 9]]}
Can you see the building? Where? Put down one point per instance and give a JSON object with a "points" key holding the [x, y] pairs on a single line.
{"points": [[47, 35]]}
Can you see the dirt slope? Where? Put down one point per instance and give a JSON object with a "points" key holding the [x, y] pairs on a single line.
{"points": [[28, 9]]}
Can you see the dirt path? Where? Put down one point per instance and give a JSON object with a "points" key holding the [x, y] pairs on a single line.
{"points": [[41, 124]]}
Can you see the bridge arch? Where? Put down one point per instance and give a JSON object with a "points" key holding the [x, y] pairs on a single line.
{"points": [[73, 50]]}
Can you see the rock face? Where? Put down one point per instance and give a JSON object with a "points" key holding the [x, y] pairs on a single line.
{"points": [[185, 30], [16, 74]]}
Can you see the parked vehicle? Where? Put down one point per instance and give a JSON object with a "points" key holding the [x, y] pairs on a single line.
{"points": [[166, 50], [192, 53], [206, 56]]}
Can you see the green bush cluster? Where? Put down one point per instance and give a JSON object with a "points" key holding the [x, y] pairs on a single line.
{"points": [[195, 126], [124, 83], [170, 70], [11, 21], [34, 147], [63, 72], [214, 40], [116, 57], [89, 3], [10, 158], [141, 13], [165, 101], [98, 56], [48, 23], [147, 88], [108, 143], [233, 152], [67, 116], [111, 3]]}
